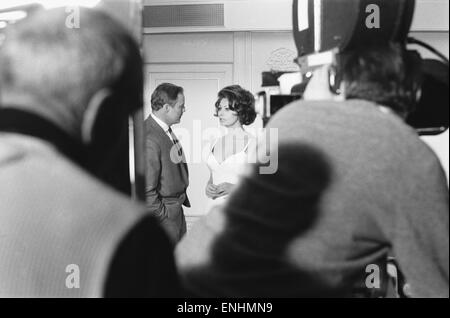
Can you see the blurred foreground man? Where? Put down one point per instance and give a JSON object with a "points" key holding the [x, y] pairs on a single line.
{"points": [[65, 98], [355, 184]]}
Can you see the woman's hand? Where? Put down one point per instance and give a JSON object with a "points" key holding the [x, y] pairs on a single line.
{"points": [[225, 188], [211, 191]]}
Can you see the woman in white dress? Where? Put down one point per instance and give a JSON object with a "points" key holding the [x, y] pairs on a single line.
{"points": [[229, 155]]}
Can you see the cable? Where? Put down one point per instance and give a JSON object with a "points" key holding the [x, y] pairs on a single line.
{"points": [[411, 40]]}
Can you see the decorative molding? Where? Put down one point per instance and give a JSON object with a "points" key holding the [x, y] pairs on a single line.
{"points": [[242, 66], [282, 60], [189, 48]]}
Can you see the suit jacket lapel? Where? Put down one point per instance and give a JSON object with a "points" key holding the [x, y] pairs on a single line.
{"points": [[155, 127]]}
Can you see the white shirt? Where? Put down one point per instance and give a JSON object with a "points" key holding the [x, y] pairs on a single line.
{"points": [[163, 125]]}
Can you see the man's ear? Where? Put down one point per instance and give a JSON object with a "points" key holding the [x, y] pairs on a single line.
{"points": [[166, 108], [90, 115]]}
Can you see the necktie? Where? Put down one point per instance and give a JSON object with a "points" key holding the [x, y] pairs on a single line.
{"points": [[176, 142]]}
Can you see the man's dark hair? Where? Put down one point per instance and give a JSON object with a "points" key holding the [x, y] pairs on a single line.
{"points": [[387, 75], [241, 101], [165, 93]]}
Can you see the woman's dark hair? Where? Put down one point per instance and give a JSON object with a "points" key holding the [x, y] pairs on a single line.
{"points": [[387, 75], [241, 101]]}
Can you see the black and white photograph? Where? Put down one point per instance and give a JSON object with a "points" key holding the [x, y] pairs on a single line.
{"points": [[226, 155]]}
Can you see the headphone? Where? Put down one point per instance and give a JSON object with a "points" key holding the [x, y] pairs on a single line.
{"points": [[431, 115]]}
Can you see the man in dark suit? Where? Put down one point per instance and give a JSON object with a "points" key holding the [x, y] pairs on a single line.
{"points": [[167, 172], [63, 106]]}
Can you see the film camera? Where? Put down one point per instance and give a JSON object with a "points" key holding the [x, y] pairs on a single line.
{"points": [[324, 29]]}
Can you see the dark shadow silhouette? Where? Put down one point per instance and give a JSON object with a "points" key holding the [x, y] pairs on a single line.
{"points": [[146, 274], [263, 216]]}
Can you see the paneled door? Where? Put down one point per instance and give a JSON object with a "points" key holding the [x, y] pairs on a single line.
{"points": [[201, 83]]}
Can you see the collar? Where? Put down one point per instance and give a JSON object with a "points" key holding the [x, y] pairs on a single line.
{"points": [[25, 123], [162, 124]]}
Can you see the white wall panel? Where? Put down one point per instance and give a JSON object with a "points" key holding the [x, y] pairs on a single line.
{"points": [[189, 48]]}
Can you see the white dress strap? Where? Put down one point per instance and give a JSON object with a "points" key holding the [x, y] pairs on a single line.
{"points": [[214, 145], [248, 145]]}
